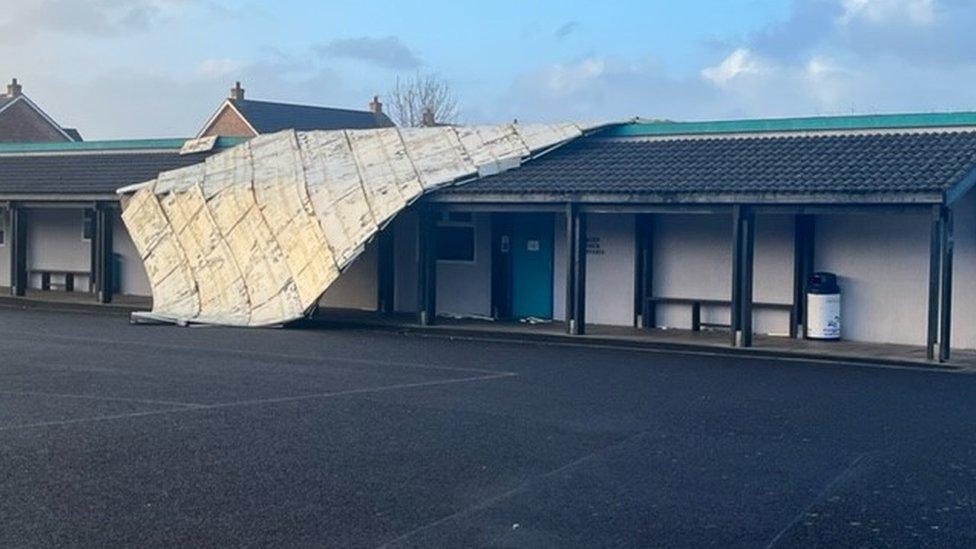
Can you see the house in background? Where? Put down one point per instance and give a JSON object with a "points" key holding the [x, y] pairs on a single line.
{"points": [[240, 117], [22, 121]]}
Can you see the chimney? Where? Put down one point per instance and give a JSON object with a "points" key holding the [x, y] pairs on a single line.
{"points": [[237, 92], [427, 118], [13, 88], [375, 106]]}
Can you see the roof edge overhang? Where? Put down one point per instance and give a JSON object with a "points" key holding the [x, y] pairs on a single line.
{"points": [[678, 199]]}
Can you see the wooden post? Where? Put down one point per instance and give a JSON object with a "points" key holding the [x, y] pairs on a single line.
{"points": [[935, 262], [644, 283], [945, 320], [427, 266], [18, 250], [385, 270]]}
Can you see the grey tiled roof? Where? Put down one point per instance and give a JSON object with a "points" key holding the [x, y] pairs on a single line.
{"points": [[800, 164], [268, 117], [97, 173]]}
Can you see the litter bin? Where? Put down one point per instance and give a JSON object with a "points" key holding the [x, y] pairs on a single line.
{"points": [[823, 307]]}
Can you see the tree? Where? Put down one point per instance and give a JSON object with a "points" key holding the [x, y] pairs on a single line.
{"points": [[412, 97]]}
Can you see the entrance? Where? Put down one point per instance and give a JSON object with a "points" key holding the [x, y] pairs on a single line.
{"points": [[523, 246]]}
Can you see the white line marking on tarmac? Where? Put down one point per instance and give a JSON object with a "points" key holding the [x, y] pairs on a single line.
{"points": [[488, 502], [97, 397], [261, 401], [845, 475]]}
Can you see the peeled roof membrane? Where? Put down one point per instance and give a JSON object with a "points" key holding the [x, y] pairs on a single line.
{"points": [[254, 235]]}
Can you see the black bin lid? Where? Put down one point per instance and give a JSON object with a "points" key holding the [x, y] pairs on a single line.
{"points": [[823, 283]]}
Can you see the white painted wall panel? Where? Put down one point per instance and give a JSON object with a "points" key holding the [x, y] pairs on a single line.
{"points": [[54, 242], [882, 267], [964, 274], [465, 288], [132, 279], [357, 286], [5, 248], [610, 269]]}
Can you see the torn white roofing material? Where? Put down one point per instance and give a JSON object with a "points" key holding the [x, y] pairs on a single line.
{"points": [[254, 235]]}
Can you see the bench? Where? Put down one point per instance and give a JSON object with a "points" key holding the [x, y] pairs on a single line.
{"points": [[696, 305], [69, 278]]}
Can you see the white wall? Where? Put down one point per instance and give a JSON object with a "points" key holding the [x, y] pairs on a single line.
{"points": [[132, 279], [610, 269], [964, 274], [693, 259], [54, 242], [356, 288], [464, 288]]}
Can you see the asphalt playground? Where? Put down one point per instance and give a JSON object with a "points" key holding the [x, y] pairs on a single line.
{"points": [[120, 435]]}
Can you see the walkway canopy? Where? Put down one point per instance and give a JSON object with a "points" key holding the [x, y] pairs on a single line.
{"points": [[254, 235]]}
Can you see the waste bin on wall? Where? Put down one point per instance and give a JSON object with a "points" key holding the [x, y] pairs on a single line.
{"points": [[823, 307]]}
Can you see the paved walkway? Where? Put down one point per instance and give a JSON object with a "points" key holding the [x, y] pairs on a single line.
{"points": [[684, 340], [687, 340]]}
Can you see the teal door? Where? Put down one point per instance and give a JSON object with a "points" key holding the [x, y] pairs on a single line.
{"points": [[532, 265]]}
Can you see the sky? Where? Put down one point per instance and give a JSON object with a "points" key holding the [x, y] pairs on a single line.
{"points": [[159, 68]]}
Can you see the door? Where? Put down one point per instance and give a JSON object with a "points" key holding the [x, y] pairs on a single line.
{"points": [[532, 255]]}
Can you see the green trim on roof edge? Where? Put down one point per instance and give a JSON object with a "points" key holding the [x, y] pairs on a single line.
{"points": [[112, 145], [814, 123]]}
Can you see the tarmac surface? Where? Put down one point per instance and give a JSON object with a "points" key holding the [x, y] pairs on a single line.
{"points": [[119, 435]]}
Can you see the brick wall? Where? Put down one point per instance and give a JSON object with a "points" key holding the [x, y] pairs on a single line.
{"points": [[19, 123], [228, 123]]}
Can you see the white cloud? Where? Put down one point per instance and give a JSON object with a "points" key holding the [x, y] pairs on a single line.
{"points": [[219, 68], [916, 12], [741, 62]]}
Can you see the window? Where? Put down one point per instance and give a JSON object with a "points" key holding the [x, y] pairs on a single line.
{"points": [[88, 225], [455, 243]]}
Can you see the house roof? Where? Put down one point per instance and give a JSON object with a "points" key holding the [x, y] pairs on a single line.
{"points": [[269, 117], [756, 165], [91, 167]]}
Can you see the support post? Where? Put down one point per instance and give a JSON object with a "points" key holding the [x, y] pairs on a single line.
{"points": [[735, 314], [386, 270], [427, 265], [935, 263], [802, 269], [103, 268], [644, 286], [575, 270], [809, 246], [745, 293], [18, 250], [945, 320]]}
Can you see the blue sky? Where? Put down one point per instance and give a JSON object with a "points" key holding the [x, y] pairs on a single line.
{"points": [[142, 68]]}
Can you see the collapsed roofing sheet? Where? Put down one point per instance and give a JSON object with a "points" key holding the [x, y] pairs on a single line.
{"points": [[254, 235]]}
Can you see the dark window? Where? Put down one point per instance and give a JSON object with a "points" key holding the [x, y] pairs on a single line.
{"points": [[88, 225], [455, 243]]}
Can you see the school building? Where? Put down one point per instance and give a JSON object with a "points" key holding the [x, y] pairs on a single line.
{"points": [[683, 225]]}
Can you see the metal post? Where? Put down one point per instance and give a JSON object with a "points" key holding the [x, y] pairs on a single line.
{"points": [[945, 321], [809, 244], [579, 307], [735, 308], [104, 275], [385, 275], [644, 287], [935, 259], [571, 218], [18, 250], [748, 234], [575, 270], [427, 266], [796, 312]]}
